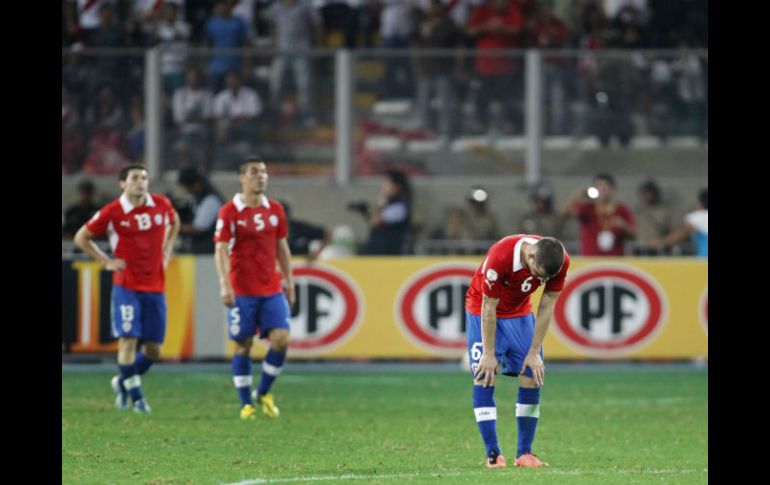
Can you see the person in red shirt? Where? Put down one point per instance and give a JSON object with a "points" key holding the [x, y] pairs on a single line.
{"points": [[142, 228], [504, 338], [497, 24], [605, 224], [251, 236]]}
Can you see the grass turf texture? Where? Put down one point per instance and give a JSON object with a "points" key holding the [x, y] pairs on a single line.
{"points": [[624, 427]]}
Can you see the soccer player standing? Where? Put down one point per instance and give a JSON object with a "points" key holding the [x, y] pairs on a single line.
{"points": [[504, 337], [250, 236], [142, 228]]}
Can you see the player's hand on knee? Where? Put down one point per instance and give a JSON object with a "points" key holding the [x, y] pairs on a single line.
{"points": [[534, 362], [488, 370]]}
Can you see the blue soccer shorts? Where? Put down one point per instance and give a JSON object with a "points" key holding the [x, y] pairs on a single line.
{"points": [[138, 314], [513, 337], [252, 313]]}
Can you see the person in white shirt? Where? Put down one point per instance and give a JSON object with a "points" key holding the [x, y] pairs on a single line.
{"points": [[192, 109]]}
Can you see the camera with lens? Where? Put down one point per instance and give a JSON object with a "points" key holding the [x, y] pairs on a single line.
{"points": [[360, 206]]}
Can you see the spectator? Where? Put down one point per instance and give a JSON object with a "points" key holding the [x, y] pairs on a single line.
{"points": [[691, 90], [482, 225], [605, 224], [246, 10], [390, 225], [236, 109], [136, 132], [306, 239], [198, 212], [653, 218], [192, 111], [80, 212], [109, 69], [71, 138], [696, 227], [454, 227], [223, 31], [496, 24], [542, 219], [296, 26], [339, 15], [105, 123], [434, 73], [546, 31], [172, 34], [397, 26], [82, 17]]}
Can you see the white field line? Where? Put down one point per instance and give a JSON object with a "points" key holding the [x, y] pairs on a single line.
{"points": [[639, 471]]}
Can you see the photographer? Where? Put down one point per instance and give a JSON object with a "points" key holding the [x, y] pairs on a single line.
{"points": [[390, 225]]}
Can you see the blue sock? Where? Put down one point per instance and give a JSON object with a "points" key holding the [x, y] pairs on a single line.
{"points": [[242, 377], [131, 381], [143, 363], [486, 416], [527, 413], [271, 367]]}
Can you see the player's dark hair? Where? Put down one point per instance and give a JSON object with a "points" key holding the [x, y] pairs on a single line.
{"points": [[251, 159], [549, 255], [703, 197], [123, 175], [607, 178]]}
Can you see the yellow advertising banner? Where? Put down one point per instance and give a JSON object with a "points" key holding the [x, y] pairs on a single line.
{"points": [[92, 319], [386, 307]]}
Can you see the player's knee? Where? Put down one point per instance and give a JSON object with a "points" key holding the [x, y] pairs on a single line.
{"points": [[152, 351], [243, 347], [279, 340]]}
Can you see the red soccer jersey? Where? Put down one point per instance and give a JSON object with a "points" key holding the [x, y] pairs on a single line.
{"points": [[136, 236], [253, 234], [503, 275], [593, 221], [489, 65]]}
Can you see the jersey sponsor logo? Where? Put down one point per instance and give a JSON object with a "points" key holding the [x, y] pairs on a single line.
{"points": [[158, 219], [703, 310], [430, 308], [328, 310], [609, 310], [273, 220]]}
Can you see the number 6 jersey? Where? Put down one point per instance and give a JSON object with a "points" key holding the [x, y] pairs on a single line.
{"points": [[136, 236], [503, 275]]}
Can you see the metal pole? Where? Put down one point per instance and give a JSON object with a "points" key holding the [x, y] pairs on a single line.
{"points": [[153, 114], [533, 93], [344, 116]]}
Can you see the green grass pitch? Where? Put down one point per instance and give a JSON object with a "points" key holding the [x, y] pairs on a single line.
{"points": [[389, 427]]}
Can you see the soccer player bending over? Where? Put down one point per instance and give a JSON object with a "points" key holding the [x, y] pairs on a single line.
{"points": [[504, 338], [250, 236], [142, 228]]}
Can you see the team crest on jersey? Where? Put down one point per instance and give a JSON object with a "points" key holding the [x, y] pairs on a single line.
{"points": [[609, 310], [273, 219], [158, 219], [430, 308], [491, 275]]}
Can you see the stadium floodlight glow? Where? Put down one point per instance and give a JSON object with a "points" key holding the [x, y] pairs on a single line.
{"points": [[593, 192], [479, 195]]}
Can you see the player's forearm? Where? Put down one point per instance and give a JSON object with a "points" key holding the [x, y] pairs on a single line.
{"points": [[84, 240], [222, 264], [488, 324], [542, 322], [284, 261]]}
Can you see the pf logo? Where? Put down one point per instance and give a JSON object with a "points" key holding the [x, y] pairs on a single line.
{"points": [[430, 308], [327, 312], [703, 310], [606, 311]]}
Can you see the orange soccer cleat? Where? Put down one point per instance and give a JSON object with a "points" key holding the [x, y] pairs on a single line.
{"points": [[529, 460], [495, 460]]}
